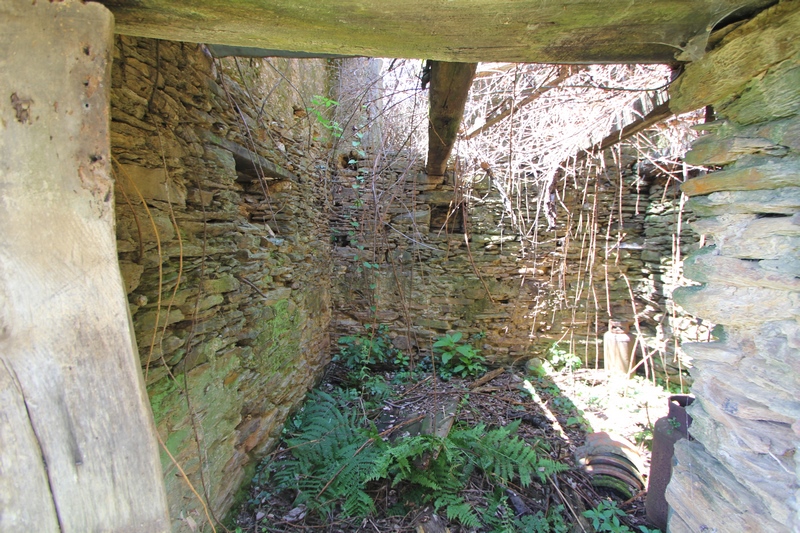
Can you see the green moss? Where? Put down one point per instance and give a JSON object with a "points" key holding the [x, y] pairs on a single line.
{"points": [[241, 495], [278, 342], [173, 444], [160, 393]]}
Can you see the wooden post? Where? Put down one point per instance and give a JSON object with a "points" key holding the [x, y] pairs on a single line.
{"points": [[78, 450], [450, 84]]}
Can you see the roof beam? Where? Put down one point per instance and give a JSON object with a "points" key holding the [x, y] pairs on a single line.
{"points": [[552, 31]]}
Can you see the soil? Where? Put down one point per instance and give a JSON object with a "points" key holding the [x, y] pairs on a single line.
{"points": [[566, 408]]}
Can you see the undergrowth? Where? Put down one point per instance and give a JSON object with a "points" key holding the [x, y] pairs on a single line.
{"points": [[458, 358], [336, 461]]}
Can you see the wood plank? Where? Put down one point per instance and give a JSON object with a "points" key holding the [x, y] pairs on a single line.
{"points": [[74, 414], [24, 487]]}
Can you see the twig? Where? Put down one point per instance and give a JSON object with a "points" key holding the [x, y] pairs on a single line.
{"points": [[252, 285], [567, 504], [486, 378]]}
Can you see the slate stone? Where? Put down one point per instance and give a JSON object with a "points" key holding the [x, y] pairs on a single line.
{"points": [[707, 266], [748, 237], [712, 351], [736, 306], [719, 151], [785, 201], [771, 175], [774, 95], [707, 496]]}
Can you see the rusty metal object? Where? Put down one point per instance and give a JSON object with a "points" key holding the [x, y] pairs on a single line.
{"points": [[617, 348], [667, 431], [611, 461]]}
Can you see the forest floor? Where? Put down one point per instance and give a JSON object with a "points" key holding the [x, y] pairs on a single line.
{"points": [[555, 412]]}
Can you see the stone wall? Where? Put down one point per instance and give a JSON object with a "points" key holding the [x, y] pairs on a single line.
{"points": [[402, 261], [224, 249], [224, 238], [740, 473]]}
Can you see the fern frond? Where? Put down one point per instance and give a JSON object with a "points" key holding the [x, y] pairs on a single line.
{"points": [[332, 455], [456, 508], [501, 454], [359, 503]]}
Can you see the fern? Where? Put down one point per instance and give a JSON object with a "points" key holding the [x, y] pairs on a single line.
{"points": [[457, 509], [332, 455], [497, 514], [505, 456], [499, 518], [440, 483], [335, 454]]}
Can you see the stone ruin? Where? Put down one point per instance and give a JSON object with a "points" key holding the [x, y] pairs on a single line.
{"points": [[257, 216]]}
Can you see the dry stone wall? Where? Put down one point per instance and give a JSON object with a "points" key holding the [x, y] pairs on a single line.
{"points": [[740, 473], [224, 249], [402, 259]]}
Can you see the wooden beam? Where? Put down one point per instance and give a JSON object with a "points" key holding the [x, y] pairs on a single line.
{"points": [[554, 31], [78, 449], [658, 113], [449, 90]]}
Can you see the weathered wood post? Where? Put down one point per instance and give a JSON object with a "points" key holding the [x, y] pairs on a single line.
{"points": [[450, 84], [78, 450]]}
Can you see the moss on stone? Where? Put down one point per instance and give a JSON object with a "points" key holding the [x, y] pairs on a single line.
{"points": [[160, 393], [277, 342]]}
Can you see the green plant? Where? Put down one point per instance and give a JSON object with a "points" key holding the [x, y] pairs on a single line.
{"points": [[335, 453], [672, 387], [673, 425], [458, 358], [500, 518], [376, 387], [356, 143], [559, 359], [321, 105], [372, 350], [644, 438], [606, 517], [401, 360], [259, 493], [497, 453], [332, 454]]}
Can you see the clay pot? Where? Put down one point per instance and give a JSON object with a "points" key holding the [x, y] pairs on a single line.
{"points": [[667, 431]]}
